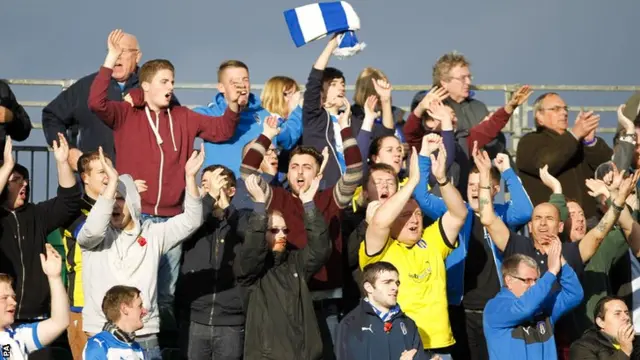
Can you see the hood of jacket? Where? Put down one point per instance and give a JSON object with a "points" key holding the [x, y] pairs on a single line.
{"points": [[127, 188]]}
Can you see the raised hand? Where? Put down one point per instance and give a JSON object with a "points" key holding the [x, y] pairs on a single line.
{"points": [[217, 182], [624, 122], [344, 119], [550, 181], [481, 158], [270, 127], [585, 124], [519, 97], [8, 161], [371, 210], [370, 108], [502, 162], [254, 189], [430, 143], [113, 42], [195, 162], [414, 168], [438, 164], [61, 149], [626, 334], [325, 160], [308, 195], [554, 256], [613, 179], [628, 185], [438, 111], [435, 94], [383, 89], [239, 93], [597, 188], [51, 262], [141, 185], [111, 172]]}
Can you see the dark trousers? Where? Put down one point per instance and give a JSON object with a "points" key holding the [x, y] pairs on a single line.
{"points": [[469, 334], [205, 342]]}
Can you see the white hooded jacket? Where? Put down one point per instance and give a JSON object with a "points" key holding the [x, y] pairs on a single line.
{"points": [[128, 257]]}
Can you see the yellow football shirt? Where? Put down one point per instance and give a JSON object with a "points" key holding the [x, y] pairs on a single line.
{"points": [[423, 282]]}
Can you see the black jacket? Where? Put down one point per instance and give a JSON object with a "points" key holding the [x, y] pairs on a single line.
{"points": [[281, 322], [594, 345], [23, 233], [69, 114], [361, 336], [206, 290], [20, 127]]}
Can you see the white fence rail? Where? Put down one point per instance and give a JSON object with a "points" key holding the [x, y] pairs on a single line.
{"points": [[520, 123]]}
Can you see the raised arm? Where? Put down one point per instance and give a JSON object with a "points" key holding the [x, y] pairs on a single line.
{"points": [[53, 327], [95, 227], [290, 130], [557, 199], [570, 295], [66, 205], [384, 215], [352, 177], [456, 214], [312, 107], [592, 240], [215, 128], [431, 205], [497, 229], [254, 156], [7, 164], [313, 257], [519, 208], [179, 227], [383, 89], [13, 115], [112, 113], [254, 250], [626, 146]]}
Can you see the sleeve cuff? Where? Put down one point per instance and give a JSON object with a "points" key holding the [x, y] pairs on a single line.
{"points": [[309, 206], [443, 234], [259, 208]]}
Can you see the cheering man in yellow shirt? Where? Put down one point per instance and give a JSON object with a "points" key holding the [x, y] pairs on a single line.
{"points": [[395, 234]]}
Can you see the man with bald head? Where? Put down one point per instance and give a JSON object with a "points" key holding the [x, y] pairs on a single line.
{"points": [[572, 154], [69, 113]]}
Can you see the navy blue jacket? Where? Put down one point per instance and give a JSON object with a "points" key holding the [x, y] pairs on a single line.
{"points": [[361, 336]]}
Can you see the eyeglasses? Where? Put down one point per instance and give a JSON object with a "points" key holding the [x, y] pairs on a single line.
{"points": [[463, 78], [529, 281], [557, 108], [275, 231], [128, 51], [271, 151]]}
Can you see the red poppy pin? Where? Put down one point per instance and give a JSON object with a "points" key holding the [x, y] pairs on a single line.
{"points": [[142, 241], [387, 326]]}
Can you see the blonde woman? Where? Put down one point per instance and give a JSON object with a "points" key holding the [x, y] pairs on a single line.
{"points": [[281, 97]]}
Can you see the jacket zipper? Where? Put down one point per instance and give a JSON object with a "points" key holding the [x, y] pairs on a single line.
{"points": [[21, 264], [215, 281], [155, 209]]}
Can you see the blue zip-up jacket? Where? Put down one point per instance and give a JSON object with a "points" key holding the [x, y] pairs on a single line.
{"points": [[514, 213], [229, 153], [522, 328], [361, 336]]}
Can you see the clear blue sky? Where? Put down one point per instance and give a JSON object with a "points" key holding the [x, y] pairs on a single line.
{"points": [[508, 41]]}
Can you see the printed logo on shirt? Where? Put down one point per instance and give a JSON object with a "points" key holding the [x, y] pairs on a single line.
{"points": [[403, 327], [423, 275], [368, 328], [534, 332], [6, 351]]}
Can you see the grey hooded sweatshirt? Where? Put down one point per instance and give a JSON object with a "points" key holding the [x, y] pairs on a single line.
{"points": [[128, 257]]}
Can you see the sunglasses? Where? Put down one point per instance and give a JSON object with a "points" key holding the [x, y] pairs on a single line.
{"points": [[275, 231]]}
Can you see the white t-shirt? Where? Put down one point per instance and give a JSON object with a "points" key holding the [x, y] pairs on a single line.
{"points": [[18, 343]]}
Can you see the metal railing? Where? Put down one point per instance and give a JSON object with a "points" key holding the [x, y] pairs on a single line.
{"points": [[521, 122]]}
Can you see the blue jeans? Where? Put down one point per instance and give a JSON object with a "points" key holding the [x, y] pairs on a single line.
{"points": [[206, 342], [167, 276]]}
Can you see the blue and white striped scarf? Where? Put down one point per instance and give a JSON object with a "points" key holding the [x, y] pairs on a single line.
{"points": [[388, 316]]}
